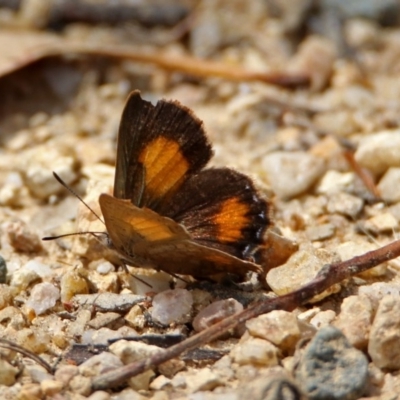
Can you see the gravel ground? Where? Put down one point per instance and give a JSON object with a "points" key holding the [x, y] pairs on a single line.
{"points": [[327, 156]]}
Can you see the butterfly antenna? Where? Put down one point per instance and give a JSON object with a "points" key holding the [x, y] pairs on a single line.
{"points": [[77, 196], [74, 234]]}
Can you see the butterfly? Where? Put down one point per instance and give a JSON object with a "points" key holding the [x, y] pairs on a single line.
{"points": [[168, 212]]}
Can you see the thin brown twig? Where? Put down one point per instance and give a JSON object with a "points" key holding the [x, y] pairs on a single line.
{"points": [[362, 173], [188, 65], [329, 275], [7, 344]]}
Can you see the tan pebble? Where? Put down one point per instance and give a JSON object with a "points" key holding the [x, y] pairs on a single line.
{"points": [[383, 223], [160, 383], [81, 385], [72, 283], [335, 182], [7, 373], [300, 269], [255, 351], [354, 320], [129, 352], [315, 57], [323, 318], [384, 339], [50, 387], [23, 277], [13, 317], [338, 122], [389, 185], [135, 317], [379, 151], [345, 204], [99, 395], [291, 174], [171, 367], [110, 320], [10, 195], [99, 364], [30, 391], [104, 283], [348, 250], [35, 341], [23, 238], [203, 379], [279, 327], [141, 381], [38, 166], [65, 373], [6, 295]]}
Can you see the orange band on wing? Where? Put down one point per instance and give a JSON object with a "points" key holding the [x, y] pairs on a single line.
{"points": [[164, 164], [231, 219]]}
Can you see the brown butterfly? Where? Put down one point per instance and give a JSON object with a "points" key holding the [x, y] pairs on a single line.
{"points": [[168, 212]]}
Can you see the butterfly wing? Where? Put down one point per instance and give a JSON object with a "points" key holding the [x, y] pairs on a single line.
{"points": [[145, 239], [158, 148], [221, 208]]}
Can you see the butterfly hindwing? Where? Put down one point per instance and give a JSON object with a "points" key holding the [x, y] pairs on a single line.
{"points": [[221, 208]]}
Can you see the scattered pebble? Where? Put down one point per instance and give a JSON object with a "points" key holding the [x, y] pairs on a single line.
{"points": [[270, 386], [203, 379], [300, 269], [43, 297], [104, 282], [382, 223], [72, 283], [278, 326], [355, 319], [322, 318], [348, 250], [99, 395], [330, 368], [335, 182], [81, 385], [215, 312], [291, 174], [35, 265], [172, 306], [99, 364], [316, 55], [118, 302], [64, 373], [7, 373], [378, 290], [379, 151], [40, 162], [50, 387], [22, 238], [255, 351], [389, 186], [130, 351], [108, 319], [320, 232], [384, 339], [345, 204]]}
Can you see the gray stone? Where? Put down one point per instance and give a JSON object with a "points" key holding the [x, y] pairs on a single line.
{"points": [[3, 270], [332, 369], [291, 174]]}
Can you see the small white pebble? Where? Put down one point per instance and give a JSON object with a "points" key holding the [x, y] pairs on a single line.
{"points": [[43, 297]]}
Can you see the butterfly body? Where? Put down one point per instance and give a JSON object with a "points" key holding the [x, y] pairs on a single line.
{"points": [[167, 211]]}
